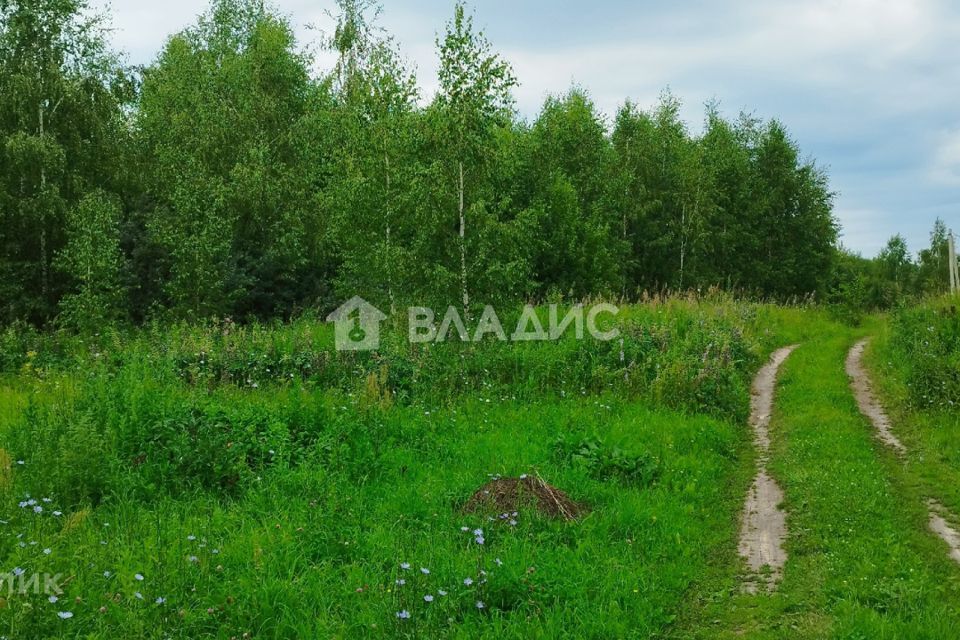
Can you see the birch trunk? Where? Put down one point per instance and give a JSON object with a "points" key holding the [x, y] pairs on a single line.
{"points": [[463, 248], [387, 216], [44, 268]]}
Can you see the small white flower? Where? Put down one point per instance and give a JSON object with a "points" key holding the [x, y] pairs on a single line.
{"points": [[468, 581], [441, 592], [58, 513], [138, 595], [425, 571], [138, 577], [428, 598], [191, 537], [47, 552], [65, 615], [53, 599], [160, 600]]}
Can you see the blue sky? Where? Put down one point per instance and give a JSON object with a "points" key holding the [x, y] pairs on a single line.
{"points": [[869, 88]]}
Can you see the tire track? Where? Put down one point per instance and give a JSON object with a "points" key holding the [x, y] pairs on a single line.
{"points": [[764, 523], [940, 518], [869, 405]]}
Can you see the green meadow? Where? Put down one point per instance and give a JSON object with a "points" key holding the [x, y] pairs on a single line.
{"points": [[222, 481]]}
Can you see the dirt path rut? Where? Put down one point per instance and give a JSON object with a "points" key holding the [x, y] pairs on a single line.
{"points": [[940, 518], [764, 524], [869, 405]]}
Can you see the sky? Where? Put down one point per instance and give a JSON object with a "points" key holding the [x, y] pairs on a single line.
{"points": [[870, 89]]}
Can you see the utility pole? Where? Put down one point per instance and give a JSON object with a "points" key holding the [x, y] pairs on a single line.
{"points": [[954, 275]]}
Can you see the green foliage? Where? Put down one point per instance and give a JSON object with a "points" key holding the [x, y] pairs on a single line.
{"points": [[220, 120], [925, 344], [62, 137], [862, 560], [603, 462], [687, 355], [224, 461], [893, 279], [316, 550], [242, 185], [93, 258]]}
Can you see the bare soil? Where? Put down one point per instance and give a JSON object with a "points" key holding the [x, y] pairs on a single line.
{"points": [[869, 405], [943, 529], [764, 523]]}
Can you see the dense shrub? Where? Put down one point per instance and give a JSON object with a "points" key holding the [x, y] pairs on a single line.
{"points": [[926, 345]]}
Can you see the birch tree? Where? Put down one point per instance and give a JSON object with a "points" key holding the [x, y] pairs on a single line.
{"points": [[375, 102], [474, 96], [61, 134], [219, 120]]}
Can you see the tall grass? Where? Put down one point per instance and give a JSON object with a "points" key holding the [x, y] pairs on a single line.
{"points": [[925, 346], [314, 474]]}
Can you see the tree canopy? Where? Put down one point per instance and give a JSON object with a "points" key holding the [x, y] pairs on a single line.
{"points": [[230, 178]]}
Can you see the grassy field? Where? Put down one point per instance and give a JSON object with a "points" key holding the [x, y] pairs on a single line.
{"points": [[227, 482]]}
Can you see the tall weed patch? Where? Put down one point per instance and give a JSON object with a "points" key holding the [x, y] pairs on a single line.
{"points": [[925, 345]]}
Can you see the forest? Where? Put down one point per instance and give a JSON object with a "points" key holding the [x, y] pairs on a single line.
{"points": [[228, 178]]}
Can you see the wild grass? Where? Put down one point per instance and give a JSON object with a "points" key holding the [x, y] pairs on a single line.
{"points": [[262, 483], [915, 361]]}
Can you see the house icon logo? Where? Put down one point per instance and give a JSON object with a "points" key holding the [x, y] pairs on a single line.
{"points": [[356, 325]]}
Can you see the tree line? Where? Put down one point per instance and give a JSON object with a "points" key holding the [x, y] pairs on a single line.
{"points": [[227, 178], [895, 274]]}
